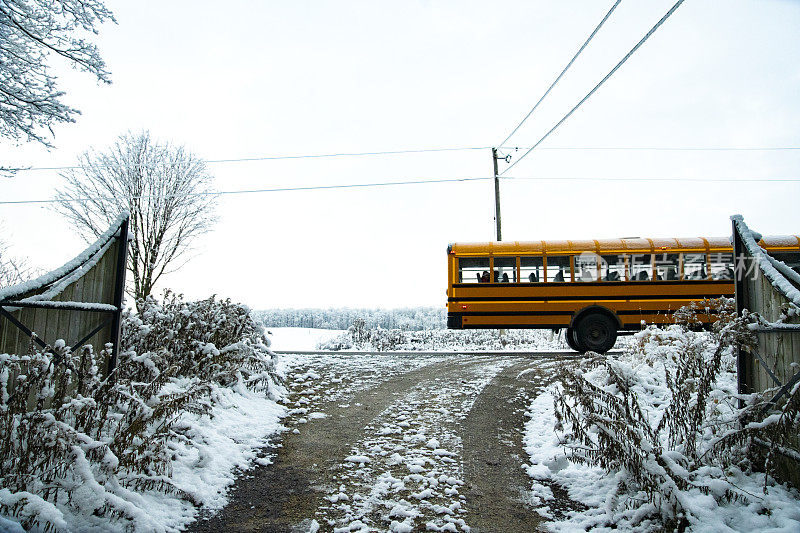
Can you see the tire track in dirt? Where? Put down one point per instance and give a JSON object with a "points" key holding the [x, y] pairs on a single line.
{"points": [[494, 456], [278, 497], [471, 407]]}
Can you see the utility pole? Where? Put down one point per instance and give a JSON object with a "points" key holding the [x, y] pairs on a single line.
{"points": [[498, 233]]}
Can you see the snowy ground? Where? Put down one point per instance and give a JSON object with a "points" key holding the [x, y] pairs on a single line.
{"points": [[301, 339], [404, 472], [777, 510], [241, 425], [379, 443]]}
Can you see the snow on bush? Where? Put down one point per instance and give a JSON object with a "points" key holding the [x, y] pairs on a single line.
{"points": [[360, 336], [142, 448], [656, 438]]}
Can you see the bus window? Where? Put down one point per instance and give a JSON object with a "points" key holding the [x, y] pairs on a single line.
{"points": [[668, 267], [721, 264], [558, 268], [531, 269], [586, 266], [640, 267], [470, 269], [694, 266], [506, 268], [791, 259], [612, 267]]}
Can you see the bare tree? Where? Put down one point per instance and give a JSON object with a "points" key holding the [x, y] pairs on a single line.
{"points": [[30, 32], [13, 269], [166, 189]]}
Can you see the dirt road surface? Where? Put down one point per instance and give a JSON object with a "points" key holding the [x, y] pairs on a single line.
{"points": [[388, 443]]}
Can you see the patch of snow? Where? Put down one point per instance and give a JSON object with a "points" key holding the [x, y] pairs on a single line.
{"points": [[300, 339]]}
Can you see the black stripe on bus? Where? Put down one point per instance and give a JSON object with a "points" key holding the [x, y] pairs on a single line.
{"points": [[513, 326], [540, 284], [592, 298], [567, 313]]}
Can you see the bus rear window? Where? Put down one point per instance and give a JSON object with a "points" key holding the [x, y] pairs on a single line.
{"points": [[470, 269], [558, 269], [694, 266], [531, 269], [721, 264]]}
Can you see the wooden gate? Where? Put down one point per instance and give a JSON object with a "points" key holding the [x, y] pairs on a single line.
{"points": [[81, 302], [771, 289]]}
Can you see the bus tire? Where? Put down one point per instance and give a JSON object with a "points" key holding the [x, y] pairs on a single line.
{"points": [[569, 336], [596, 332]]}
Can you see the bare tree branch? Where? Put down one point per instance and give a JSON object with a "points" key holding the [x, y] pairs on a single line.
{"points": [[30, 32]]}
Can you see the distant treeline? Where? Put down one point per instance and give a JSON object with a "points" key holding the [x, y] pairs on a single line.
{"points": [[410, 319]]}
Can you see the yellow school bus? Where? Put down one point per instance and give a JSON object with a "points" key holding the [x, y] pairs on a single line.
{"points": [[593, 288]]}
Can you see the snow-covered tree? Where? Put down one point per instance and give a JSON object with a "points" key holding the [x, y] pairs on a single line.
{"points": [[166, 189], [31, 31]]}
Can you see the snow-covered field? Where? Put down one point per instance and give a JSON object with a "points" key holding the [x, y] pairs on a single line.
{"points": [[301, 339]]}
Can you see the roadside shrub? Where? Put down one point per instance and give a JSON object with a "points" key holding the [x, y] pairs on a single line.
{"points": [[74, 443], [664, 437], [215, 341]]}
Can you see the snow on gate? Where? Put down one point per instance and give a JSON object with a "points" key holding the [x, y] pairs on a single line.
{"points": [[771, 289], [79, 303]]}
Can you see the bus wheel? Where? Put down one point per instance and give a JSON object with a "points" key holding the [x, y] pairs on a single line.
{"points": [[569, 336], [596, 332]]}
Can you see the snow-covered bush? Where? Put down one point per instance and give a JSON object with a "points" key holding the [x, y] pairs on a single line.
{"points": [[410, 318], [212, 340], [77, 447], [664, 420]]}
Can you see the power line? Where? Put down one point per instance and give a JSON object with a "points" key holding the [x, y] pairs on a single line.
{"points": [[350, 154], [664, 148], [571, 61], [303, 156], [571, 148], [425, 182], [693, 180], [252, 191], [622, 61]]}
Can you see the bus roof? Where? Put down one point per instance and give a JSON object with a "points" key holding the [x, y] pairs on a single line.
{"points": [[611, 246]]}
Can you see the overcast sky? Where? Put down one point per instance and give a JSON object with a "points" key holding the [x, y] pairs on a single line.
{"points": [[254, 79]]}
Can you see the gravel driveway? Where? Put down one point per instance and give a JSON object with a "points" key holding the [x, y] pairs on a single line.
{"points": [[395, 443]]}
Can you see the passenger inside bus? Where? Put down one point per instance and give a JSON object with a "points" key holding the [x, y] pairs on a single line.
{"points": [[725, 274], [533, 278], [504, 279], [484, 277], [560, 275]]}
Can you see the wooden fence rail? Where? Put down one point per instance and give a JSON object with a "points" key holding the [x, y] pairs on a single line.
{"points": [[81, 302], [769, 288]]}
